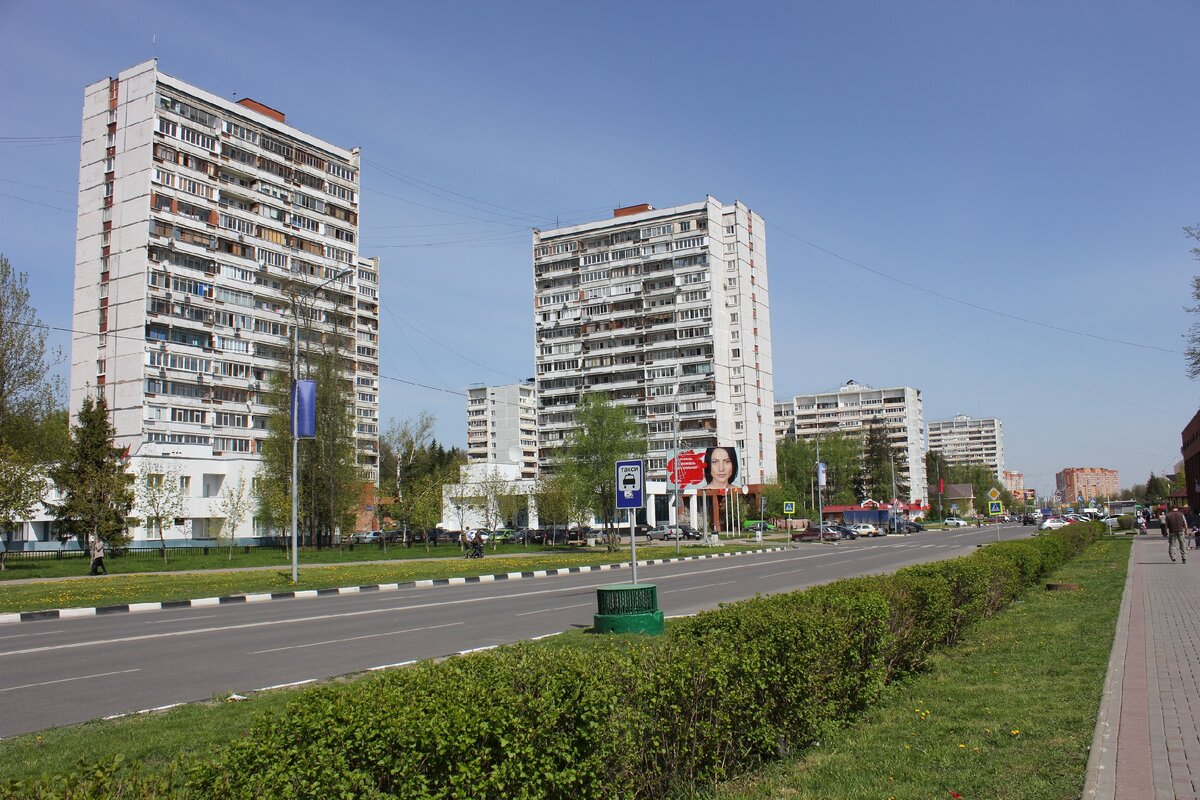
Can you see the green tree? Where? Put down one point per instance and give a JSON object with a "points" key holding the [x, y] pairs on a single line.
{"points": [[879, 466], [329, 484], [97, 492], [233, 504], [22, 484], [605, 434], [158, 496], [27, 394], [554, 500], [1157, 489], [1192, 353], [936, 468]]}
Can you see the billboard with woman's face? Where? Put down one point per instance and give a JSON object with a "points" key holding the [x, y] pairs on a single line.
{"points": [[711, 468]]}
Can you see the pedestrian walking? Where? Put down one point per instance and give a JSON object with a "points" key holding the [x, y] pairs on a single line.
{"points": [[1175, 524], [96, 548]]}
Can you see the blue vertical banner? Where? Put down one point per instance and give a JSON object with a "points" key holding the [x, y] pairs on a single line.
{"points": [[304, 409]]}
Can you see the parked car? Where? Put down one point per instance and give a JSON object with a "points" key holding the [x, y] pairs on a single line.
{"points": [[846, 531], [813, 534], [1029, 519], [1053, 524], [865, 529], [672, 532], [954, 522], [908, 526], [366, 537]]}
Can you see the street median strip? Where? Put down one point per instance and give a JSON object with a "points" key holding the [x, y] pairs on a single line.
{"points": [[73, 613]]}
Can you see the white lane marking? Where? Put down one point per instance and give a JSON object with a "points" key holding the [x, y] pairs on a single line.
{"points": [[547, 635], [393, 666], [177, 619], [478, 649], [352, 638], [288, 685], [556, 608], [23, 635], [368, 612], [67, 680], [694, 588]]}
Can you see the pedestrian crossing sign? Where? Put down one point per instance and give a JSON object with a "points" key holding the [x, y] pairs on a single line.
{"points": [[995, 508]]}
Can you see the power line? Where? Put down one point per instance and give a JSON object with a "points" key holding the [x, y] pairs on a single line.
{"points": [[967, 303], [34, 202]]}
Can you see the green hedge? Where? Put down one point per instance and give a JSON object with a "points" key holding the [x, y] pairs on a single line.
{"points": [[720, 694]]}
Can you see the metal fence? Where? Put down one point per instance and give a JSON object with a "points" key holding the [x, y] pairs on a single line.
{"points": [[136, 552]]}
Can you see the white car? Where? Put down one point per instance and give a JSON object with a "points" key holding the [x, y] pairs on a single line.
{"points": [[954, 522], [1053, 524], [865, 529]]}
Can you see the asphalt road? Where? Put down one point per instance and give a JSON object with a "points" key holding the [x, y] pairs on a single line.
{"points": [[60, 672]]}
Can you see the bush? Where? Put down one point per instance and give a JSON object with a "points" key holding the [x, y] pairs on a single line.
{"points": [[721, 693]]}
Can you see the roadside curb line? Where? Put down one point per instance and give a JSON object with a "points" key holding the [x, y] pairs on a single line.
{"points": [[1100, 775], [124, 608]]}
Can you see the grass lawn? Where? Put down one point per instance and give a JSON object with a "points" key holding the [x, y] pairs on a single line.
{"points": [[1008, 713], [118, 589]]}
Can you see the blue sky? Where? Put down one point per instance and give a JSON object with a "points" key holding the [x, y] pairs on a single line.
{"points": [[936, 178]]}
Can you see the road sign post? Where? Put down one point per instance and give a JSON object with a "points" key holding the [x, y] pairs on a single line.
{"points": [[630, 496]]}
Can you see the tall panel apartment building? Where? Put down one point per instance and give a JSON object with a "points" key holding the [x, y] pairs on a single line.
{"points": [[665, 310], [206, 229], [851, 410], [965, 440], [502, 423]]}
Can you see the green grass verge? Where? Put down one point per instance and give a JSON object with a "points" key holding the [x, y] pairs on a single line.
{"points": [[88, 591], [1009, 713]]}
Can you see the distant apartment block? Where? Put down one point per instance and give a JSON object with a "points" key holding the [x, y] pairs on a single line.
{"points": [[1090, 483], [209, 234], [851, 409], [666, 311], [966, 440], [502, 426], [1013, 481]]}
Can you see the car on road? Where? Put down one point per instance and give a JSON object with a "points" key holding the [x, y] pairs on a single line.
{"points": [[954, 522], [1028, 519], [752, 525], [1053, 524], [865, 529]]}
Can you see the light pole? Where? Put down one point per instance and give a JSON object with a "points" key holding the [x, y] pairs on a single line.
{"points": [[295, 403]]}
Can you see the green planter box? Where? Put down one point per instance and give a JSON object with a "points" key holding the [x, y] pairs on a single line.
{"points": [[628, 608]]}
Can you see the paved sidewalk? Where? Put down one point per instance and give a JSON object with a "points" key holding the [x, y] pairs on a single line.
{"points": [[1147, 741]]}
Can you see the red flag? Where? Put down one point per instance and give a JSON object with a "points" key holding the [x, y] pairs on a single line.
{"points": [[941, 485]]}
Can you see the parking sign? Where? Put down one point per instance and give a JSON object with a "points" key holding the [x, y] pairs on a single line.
{"points": [[629, 484]]}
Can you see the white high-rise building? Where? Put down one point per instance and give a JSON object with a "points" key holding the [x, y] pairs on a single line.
{"points": [[966, 440], [502, 426], [852, 409], [207, 229], [666, 311]]}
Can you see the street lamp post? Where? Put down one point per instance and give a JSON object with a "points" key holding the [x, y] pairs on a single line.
{"points": [[295, 409]]}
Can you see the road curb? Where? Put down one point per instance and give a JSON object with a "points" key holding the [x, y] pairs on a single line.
{"points": [[126, 608]]}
